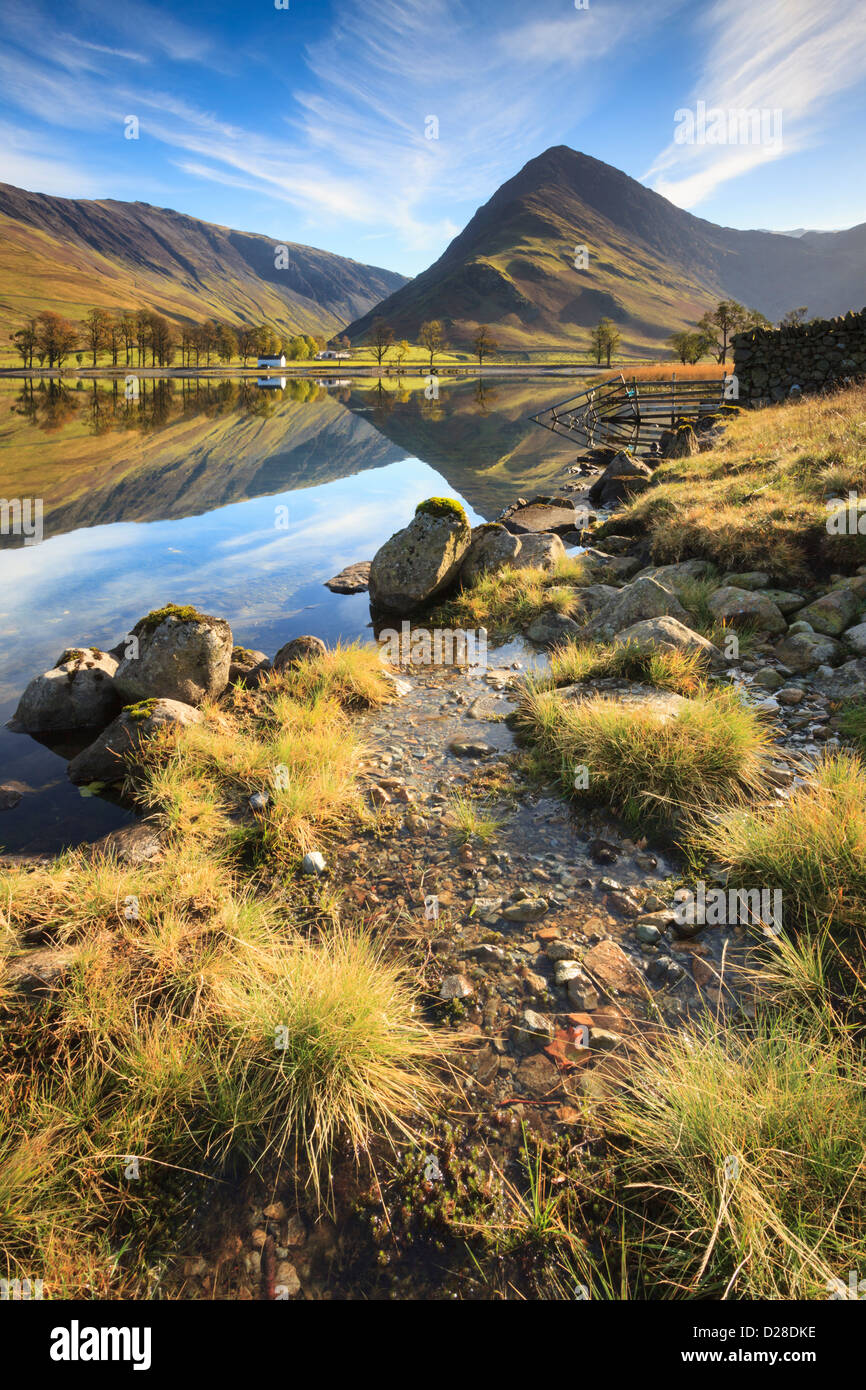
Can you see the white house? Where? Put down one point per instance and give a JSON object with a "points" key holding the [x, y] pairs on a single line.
{"points": [[329, 355], [273, 361]]}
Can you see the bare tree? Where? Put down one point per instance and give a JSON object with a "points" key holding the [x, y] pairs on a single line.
{"points": [[484, 344], [432, 339], [382, 339]]}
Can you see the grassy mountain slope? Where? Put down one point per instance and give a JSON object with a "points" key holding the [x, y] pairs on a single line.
{"points": [[652, 267], [71, 254]]}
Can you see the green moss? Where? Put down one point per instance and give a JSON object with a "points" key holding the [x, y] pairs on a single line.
{"points": [[442, 507], [143, 710], [72, 654], [184, 614], [244, 656]]}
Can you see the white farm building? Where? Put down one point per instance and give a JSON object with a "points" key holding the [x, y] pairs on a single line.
{"points": [[273, 361]]}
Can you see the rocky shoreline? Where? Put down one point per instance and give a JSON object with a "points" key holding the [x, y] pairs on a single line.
{"points": [[547, 936]]}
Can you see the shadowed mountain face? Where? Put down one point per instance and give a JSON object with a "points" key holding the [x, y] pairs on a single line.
{"points": [[71, 254], [652, 267]]}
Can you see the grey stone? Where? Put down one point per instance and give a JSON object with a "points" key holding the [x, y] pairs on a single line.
{"points": [[833, 612], [183, 659], [305, 648], [669, 634], [107, 759], [745, 606], [78, 693], [541, 552], [491, 549], [551, 629], [421, 561]]}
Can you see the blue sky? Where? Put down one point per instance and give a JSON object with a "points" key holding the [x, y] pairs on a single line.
{"points": [[310, 123]]}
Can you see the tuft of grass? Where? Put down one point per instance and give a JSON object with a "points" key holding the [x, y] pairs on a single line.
{"points": [[206, 1035], [508, 600], [680, 671], [651, 767], [743, 1152], [469, 820], [445, 507], [812, 846]]}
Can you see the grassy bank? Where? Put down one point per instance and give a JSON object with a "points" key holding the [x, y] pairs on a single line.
{"points": [[214, 1016], [757, 500]]}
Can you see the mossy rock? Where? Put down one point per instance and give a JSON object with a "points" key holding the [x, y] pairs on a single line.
{"points": [[185, 613], [445, 507], [142, 710]]}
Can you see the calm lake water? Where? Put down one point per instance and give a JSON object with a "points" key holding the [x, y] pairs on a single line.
{"points": [[238, 499]]}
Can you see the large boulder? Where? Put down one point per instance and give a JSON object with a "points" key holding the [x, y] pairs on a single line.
{"points": [[423, 559], [624, 477], [847, 683], [78, 693], [604, 566], [667, 635], [107, 759], [741, 607], [551, 629], [833, 612], [305, 648], [675, 576], [181, 655], [541, 552], [643, 598], [492, 548], [806, 651]]}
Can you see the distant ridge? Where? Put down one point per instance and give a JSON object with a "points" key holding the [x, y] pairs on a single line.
{"points": [[72, 254]]}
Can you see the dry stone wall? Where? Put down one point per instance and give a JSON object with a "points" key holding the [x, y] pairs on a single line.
{"points": [[768, 362]]}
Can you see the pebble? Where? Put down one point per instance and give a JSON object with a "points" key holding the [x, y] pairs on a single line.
{"points": [[314, 863]]}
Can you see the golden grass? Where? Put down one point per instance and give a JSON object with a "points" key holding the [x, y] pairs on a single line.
{"points": [[508, 600], [812, 846], [655, 770], [757, 500], [207, 1022], [743, 1158]]}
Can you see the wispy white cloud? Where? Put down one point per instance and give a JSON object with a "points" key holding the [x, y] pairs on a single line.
{"points": [[791, 56], [354, 148]]}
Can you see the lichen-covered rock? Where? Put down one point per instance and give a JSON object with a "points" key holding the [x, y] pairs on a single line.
{"points": [[305, 648], [541, 552], [642, 598], [806, 651], [604, 566], [624, 477], [422, 560], [78, 693], [108, 758], [551, 629], [182, 655], [246, 664], [741, 607], [675, 576], [855, 638], [668, 634], [491, 549], [833, 612]]}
